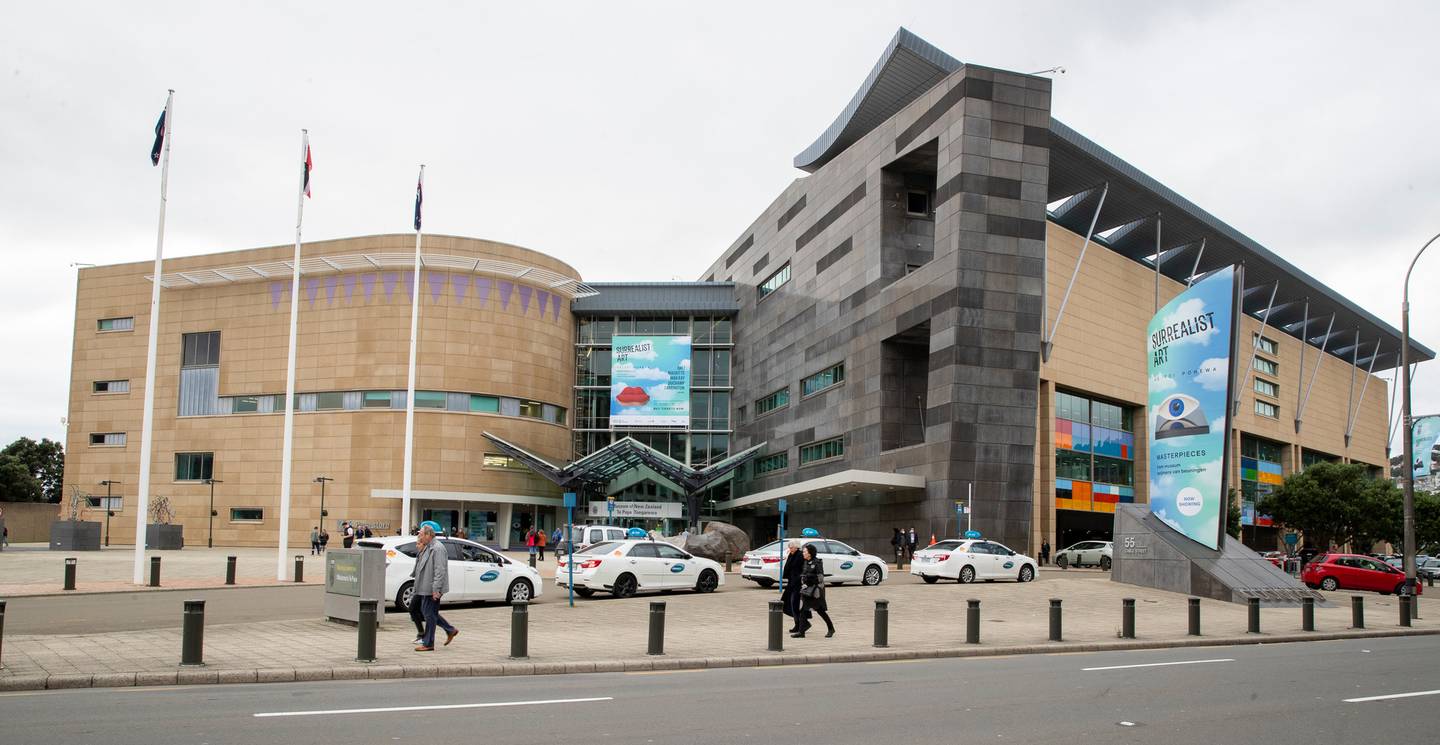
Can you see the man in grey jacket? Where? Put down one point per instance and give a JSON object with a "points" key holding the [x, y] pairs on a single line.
{"points": [[432, 579]]}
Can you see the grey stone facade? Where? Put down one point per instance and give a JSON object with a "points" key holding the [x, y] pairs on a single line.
{"points": [[936, 313]]}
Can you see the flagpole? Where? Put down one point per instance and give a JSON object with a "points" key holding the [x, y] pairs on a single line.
{"points": [[287, 449], [147, 425], [410, 386]]}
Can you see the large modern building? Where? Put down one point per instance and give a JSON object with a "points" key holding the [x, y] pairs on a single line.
{"points": [[951, 301]]}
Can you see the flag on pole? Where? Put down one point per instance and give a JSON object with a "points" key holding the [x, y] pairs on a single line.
{"points": [[159, 139], [309, 165], [419, 197]]}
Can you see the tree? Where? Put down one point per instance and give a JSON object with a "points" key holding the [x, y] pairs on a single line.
{"points": [[32, 471], [1335, 503], [1232, 516]]}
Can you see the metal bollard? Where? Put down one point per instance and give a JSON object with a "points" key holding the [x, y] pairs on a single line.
{"points": [[192, 634], [532, 559], [1194, 616], [1054, 619], [2, 634], [972, 621], [1404, 610], [1357, 612], [1253, 606], [1307, 614], [230, 570], [882, 623], [729, 565], [154, 571], [299, 568], [365, 644], [777, 614], [1430, 580], [657, 628], [70, 573], [1415, 602], [1127, 618], [520, 630]]}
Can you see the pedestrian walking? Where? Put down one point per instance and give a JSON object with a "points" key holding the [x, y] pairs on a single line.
{"points": [[368, 534], [530, 540], [1044, 552], [540, 539], [432, 581], [897, 542], [791, 575], [324, 539], [812, 593], [910, 547], [315, 541], [348, 534]]}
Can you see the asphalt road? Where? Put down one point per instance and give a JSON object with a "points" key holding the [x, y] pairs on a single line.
{"points": [[1269, 693]]}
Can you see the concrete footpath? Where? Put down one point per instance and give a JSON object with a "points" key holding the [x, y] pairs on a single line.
{"points": [[724, 629]]}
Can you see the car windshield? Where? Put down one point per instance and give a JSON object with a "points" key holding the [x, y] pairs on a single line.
{"points": [[769, 548], [601, 548]]}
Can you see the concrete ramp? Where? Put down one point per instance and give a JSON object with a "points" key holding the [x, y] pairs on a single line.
{"points": [[1150, 553]]}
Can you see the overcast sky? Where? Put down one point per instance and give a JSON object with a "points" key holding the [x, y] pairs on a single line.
{"points": [[636, 141]]}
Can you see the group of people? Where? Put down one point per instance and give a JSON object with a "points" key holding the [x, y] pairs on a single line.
{"points": [[904, 545], [535, 540], [804, 595]]}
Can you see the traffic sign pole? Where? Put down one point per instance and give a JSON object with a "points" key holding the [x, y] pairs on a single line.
{"points": [[570, 529], [783, 505]]}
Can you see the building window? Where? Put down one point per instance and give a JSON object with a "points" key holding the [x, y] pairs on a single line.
{"points": [[495, 461], [194, 466], [1264, 408], [1266, 366], [1114, 471], [1094, 453], [1260, 475], [247, 514], [1266, 388], [774, 281], [329, 401], [107, 439], [200, 350], [531, 409], [777, 400], [376, 400], [485, 404], [429, 399], [126, 323], [821, 451], [771, 463], [822, 380], [1070, 465], [1266, 345], [96, 503], [112, 386], [918, 203]]}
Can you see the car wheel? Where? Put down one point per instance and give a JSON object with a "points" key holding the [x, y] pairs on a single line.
{"points": [[929, 580], [584, 592], [1105, 563], [1400, 589], [872, 576], [708, 581], [1027, 573], [1062, 561], [520, 592], [402, 598], [624, 586], [765, 583], [967, 575], [1329, 584]]}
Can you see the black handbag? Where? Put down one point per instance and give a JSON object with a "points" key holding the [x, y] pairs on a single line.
{"points": [[810, 591]]}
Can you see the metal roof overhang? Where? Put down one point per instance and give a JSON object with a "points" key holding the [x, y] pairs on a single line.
{"points": [[1079, 169], [596, 470], [844, 481]]}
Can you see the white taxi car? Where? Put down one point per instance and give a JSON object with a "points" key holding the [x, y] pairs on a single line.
{"points": [[476, 572], [842, 563], [968, 560], [1086, 553], [623, 568]]}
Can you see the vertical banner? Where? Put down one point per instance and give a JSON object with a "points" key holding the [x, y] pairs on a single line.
{"points": [[650, 385], [1191, 348], [1427, 432]]}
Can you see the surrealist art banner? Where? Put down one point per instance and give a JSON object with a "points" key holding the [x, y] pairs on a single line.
{"points": [[650, 381]]}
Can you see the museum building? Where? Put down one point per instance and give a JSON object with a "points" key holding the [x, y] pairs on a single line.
{"points": [[952, 301]]}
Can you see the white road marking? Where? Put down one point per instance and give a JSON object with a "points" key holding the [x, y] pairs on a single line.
{"points": [[1154, 664], [1390, 696], [429, 708]]}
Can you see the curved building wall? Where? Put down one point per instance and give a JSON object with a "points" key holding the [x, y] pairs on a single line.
{"points": [[499, 347]]}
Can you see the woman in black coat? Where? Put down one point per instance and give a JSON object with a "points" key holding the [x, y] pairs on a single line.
{"points": [[812, 595], [792, 571]]}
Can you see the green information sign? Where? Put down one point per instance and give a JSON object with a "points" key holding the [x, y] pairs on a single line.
{"points": [[342, 574]]}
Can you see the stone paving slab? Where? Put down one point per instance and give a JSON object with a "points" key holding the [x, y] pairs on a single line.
{"points": [[724, 629]]}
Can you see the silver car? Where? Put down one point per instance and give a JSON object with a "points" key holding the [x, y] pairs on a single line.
{"points": [[1086, 554]]}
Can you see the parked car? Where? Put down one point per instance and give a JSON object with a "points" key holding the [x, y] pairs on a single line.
{"points": [[1274, 557], [1427, 568], [476, 572], [1353, 572], [968, 560], [1086, 553], [842, 563], [624, 568], [587, 535]]}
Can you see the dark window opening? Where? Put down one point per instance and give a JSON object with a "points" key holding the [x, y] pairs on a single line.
{"points": [[907, 216], [904, 383]]}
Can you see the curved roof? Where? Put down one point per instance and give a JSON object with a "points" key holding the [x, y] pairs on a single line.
{"points": [[907, 68]]}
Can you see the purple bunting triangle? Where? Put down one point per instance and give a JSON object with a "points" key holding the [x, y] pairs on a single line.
{"points": [[331, 282], [349, 282], [276, 290], [482, 290], [437, 284], [555, 314], [367, 281], [505, 288], [311, 287], [409, 281], [459, 283], [525, 292], [544, 298], [391, 278]]}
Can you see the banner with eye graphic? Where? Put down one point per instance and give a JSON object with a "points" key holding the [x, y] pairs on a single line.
{"points": [[650, 381], [1190, 345]]}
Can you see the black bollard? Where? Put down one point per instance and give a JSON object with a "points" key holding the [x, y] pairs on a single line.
{"points": [[70, 573], [1054, 619], [777, 615], [972, 621], [230, 570], [192, 634], [1194, 616], [2, 634], [154, 571], [729, 567], [1415, 601], [1430, 580], [1357, 612], [1127, 618], [1253, 604], [882, 623], [299, 568], [1404, 610], [532, 559], [520, 629], [1307, 614], [657, 628], [365, 644]]}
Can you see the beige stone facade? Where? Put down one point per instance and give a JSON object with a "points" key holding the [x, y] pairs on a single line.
{"points": [[353, 336]]}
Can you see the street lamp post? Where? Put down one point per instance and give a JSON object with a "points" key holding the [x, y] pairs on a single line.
{"points": [[210, 539], [1409, 424], [108, 511], [321, 481]]}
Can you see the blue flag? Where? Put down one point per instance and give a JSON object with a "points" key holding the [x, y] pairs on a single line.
{"points": [[419, 197], [159, 140]]}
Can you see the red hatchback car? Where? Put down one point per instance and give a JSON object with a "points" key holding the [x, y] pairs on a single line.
{"points": [[1353, 572]]}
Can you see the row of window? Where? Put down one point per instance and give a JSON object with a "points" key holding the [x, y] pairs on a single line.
{"points": [[777, 400], [1098, 468], [773, 282], [708, 367], [702, 330], [356, 400], [127, 323], [809, 386], [1090, 411], [815, 452]]}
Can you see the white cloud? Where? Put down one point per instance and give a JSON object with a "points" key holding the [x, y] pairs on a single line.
{"points": [[1185, 313], [641, 374], [1162, 383], [1214, 375]]}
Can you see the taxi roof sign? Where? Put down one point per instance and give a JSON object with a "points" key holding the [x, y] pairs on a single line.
{"points": [[972, 534], [810, 533], [636, 533]]}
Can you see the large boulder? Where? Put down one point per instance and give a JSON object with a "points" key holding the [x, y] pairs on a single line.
{"points": [[718, 541]]}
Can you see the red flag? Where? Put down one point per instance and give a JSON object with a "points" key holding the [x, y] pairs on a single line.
{"points": [[308, 167]]}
